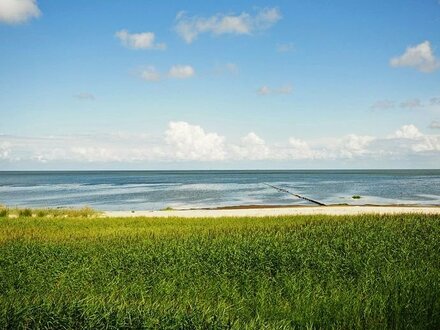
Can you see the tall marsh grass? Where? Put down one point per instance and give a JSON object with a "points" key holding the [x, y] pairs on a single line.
{"points": [[351, 272], [62, 212]]}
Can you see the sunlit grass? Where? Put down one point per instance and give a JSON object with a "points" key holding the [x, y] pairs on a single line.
{"points": [[319, 271], [47, 212]]}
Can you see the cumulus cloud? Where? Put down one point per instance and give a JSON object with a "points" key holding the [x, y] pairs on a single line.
{"points": [[266, 90], [407, 132], [18, 11], [252, 147], [84, 96], [181, 71], [190, 27], [354, 145], [191, 142], [143, 40], [183, 141], [417, 141], [300, 149], [420, 57]]}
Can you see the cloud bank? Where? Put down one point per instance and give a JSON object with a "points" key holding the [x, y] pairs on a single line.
{"points": [[184, 142]]}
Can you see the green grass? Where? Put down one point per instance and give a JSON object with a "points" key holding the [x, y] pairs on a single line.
{"points": [[85, 212], [357, 272]]}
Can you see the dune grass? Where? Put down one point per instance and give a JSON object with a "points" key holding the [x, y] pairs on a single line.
{"points": [[48, 212], [369, 272]]}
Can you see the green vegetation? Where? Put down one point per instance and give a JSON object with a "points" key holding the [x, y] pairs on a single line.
{"points": [[168, 208], [4, 212], [368, 271], [356, 197], [25, 213], [84, 212]]}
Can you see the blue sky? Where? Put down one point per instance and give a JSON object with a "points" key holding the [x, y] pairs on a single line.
{"points": [[230, 84]]}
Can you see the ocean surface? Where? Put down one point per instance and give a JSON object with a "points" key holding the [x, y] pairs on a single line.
{"points": [[155, 190]]}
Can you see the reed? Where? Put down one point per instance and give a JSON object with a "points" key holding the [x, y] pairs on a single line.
{"points": [[345, 272]]}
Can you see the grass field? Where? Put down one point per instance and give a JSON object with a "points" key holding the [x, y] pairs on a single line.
{"points": [[359, 272]]}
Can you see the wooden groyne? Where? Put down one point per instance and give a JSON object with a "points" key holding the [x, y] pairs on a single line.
{"points": [[296, 195]]}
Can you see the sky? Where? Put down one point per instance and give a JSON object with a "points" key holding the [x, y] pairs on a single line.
{"points": [[295, 84]]}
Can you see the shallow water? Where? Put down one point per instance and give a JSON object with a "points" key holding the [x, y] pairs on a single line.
{"points": [[147, 190]]}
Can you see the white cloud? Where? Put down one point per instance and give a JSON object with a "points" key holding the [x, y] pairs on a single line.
{"points": [[181, 71], [415, 103], [266, 90], [144, 40], [416, 141], [191, 142], [150, 74], [411, 104], [84, 96], [5, 149], [183, 141], [18, 11], [354, 145], [252, 147], [300, 149], [420, 57], [189, 28], [407, 132]]}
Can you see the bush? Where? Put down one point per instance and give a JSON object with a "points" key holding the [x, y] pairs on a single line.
{"points": [[25, 213], [41, 213], [4, 213]]}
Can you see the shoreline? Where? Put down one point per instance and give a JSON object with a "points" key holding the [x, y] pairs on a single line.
{"points": [[278, 210]]}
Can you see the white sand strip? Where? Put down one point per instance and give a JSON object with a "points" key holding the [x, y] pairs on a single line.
{"points": [[263, 212]]}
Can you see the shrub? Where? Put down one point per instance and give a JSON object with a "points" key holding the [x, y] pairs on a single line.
{"points": [[4, 213], [25, 213]]}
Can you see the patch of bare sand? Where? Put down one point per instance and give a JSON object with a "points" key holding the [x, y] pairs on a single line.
{"points": [[263, 211]]}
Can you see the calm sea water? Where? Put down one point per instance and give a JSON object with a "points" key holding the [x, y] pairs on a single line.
{"points": [[152, 190]]}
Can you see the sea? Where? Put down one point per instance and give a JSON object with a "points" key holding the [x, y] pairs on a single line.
{"points": [[156, 190]]}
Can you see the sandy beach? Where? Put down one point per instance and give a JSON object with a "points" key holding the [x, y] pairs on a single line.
{"points": [[263, 211]]}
